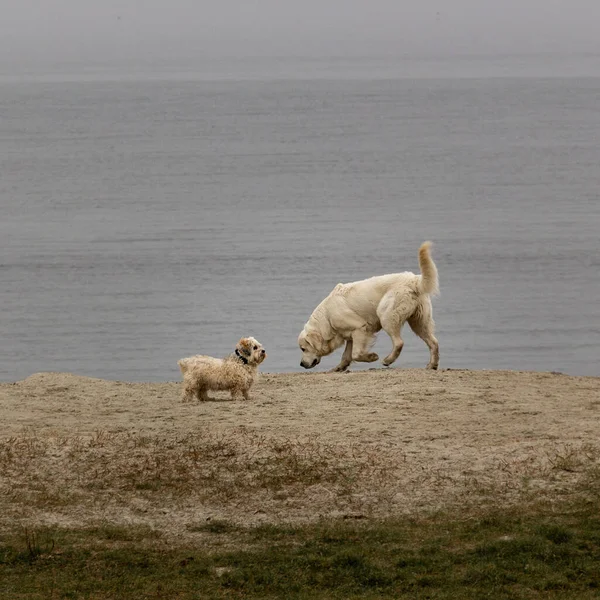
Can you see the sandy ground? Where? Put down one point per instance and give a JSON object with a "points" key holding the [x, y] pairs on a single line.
{"points": [[439, 435]]}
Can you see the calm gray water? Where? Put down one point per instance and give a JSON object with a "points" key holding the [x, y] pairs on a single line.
{"points": [[151, 214]]}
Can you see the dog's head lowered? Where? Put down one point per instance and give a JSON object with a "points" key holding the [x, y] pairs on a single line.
{"points": [[251, 350], [313, 347]]}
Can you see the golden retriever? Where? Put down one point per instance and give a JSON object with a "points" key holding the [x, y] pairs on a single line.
{"points": [[355, 312]]}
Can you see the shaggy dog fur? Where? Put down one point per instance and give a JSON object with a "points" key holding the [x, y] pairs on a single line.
{"points": [[355, 312], [236, 372]]}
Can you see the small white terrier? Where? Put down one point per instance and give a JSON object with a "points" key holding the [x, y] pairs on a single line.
{"points": [[236, 372]]}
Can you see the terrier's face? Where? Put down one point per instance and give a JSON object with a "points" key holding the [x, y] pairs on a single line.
{"points": [[252, 350]]}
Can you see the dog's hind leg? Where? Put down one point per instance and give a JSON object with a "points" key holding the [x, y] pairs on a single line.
{"points": [[392, 313], [422, 323], [393, 326], [189, 390], [202, 394], [346, 358]]}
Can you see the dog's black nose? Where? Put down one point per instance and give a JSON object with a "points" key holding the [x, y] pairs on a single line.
{"points": [[262, 351]]}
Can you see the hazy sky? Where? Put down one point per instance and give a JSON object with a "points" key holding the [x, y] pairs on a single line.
{"points": [[109, 29]]}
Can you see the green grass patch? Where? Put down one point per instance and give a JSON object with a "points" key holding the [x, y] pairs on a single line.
{"points": [[505, 555]]}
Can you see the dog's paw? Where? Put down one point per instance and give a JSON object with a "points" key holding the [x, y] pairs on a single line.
{"points": [[339, 369], [372, 357]]}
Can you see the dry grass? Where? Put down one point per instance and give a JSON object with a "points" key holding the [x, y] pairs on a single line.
{"points": [[172, 483], [383, 484]]}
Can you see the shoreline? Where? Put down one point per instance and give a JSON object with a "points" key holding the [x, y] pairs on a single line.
{"points": [[262, 373]]}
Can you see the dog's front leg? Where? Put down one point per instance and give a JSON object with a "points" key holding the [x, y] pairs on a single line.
{"points": [[240, 394], [346, 358]]}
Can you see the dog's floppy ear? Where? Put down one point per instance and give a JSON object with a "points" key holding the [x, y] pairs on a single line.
{"points": [[245, 346], [314, 339]]}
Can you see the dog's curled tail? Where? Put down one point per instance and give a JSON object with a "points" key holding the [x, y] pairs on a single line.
{"points": [[183, 365], [429, 274]]}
